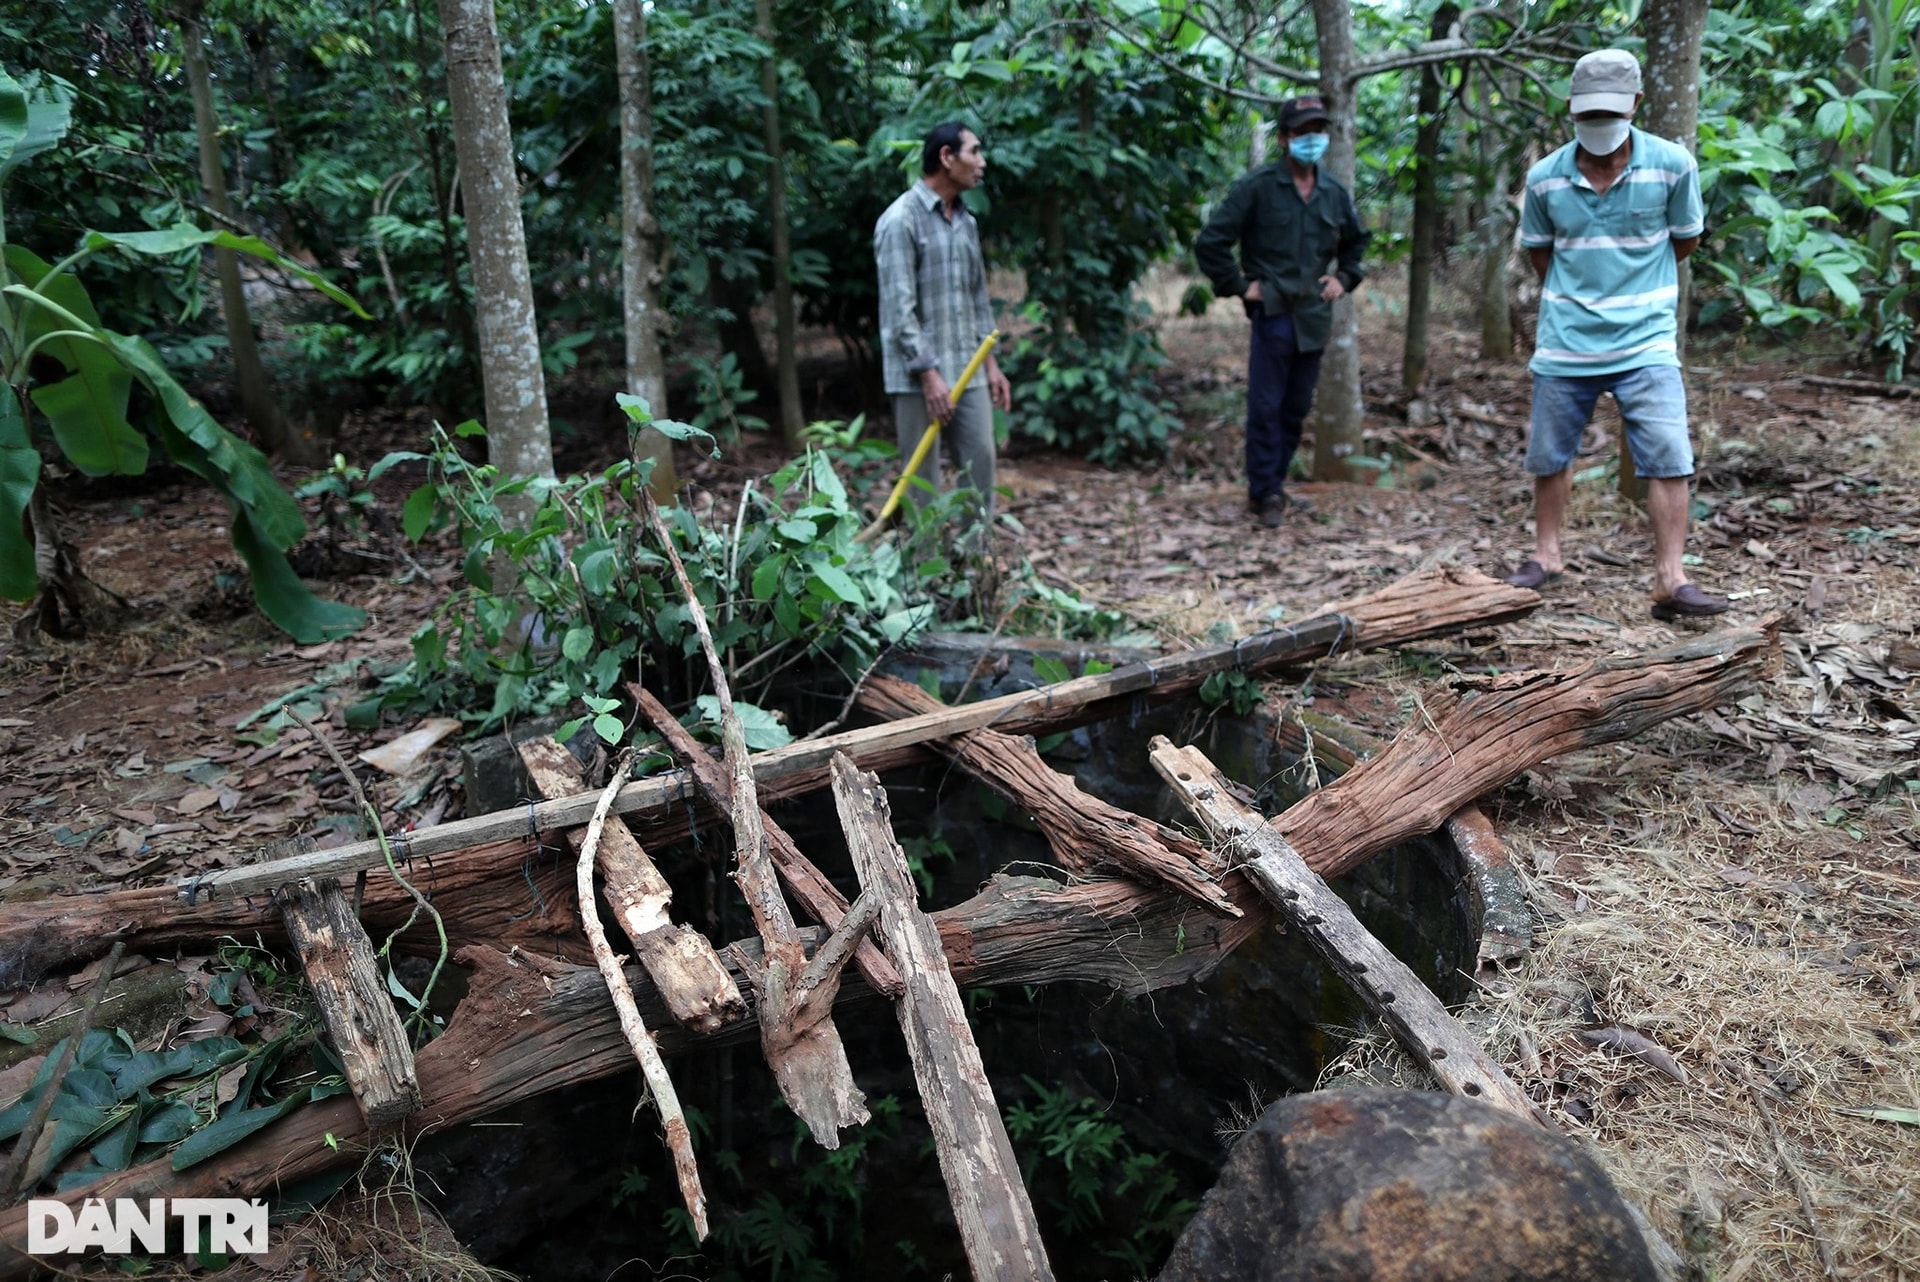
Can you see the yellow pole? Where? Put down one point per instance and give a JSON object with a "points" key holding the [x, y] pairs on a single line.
{"points": [[927, 438]]}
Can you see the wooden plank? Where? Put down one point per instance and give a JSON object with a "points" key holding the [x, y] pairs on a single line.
{"points": [[341, 968], [1391, 990], [990, 1203], [680, 960], [802, 878]]}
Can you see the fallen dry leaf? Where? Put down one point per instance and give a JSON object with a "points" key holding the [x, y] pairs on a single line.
{"points": [[197, 800], [1638, 1045]]}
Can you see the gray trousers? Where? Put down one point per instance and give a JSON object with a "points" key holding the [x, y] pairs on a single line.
{"points": [[966, 443]]}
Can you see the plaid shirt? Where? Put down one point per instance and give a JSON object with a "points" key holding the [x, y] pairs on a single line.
{"points": [[933, 289]]}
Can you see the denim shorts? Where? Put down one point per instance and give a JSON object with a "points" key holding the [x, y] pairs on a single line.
{"points": [[1653, 403]]}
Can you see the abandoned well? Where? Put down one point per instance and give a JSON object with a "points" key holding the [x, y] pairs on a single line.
{"points": [[1118, 1104]]}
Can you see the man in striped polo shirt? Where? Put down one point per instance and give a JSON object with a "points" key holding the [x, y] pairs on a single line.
{"points": [[1605, 221]]}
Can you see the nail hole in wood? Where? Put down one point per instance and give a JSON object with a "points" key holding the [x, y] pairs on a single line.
{"points": [[1439, 1052], [1470, 1088], [1387, 999]]}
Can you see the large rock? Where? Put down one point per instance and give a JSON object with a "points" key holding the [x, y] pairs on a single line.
{"points": [[1413, 1185]]}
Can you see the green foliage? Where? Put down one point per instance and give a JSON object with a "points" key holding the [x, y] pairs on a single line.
{"points": [[1121, 1201], [88, 409], [579, 600], [127, 1106], [1235, 690], [1810, 163]]}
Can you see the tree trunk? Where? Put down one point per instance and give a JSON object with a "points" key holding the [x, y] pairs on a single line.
{"points": [[1426, 212], [249, 374], [1496, 249], [1338, 412], [518, 441], [640, 269], [1672, 110], [786, 360]]}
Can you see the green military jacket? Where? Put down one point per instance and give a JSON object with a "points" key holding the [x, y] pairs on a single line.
{"points": [[1287, 245]]}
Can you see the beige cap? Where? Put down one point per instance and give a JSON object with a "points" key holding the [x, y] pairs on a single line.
{"points": [[1608, 80]]}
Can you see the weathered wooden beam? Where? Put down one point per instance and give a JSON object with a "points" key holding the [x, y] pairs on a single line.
{"points": [[1388, 987], [511, 893], [990, 1203], [337, 957], [1085, 832], [1486, 730], [1427, 603], [681, 961], [802, 878]]}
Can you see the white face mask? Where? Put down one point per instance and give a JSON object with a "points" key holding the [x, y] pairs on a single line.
{"points": [[1601, 137]]}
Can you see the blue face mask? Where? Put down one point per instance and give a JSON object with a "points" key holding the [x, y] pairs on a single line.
{"points": [[1307, 148]]}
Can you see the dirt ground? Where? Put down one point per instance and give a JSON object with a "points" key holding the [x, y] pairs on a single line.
{"points": [[1741, 888]]}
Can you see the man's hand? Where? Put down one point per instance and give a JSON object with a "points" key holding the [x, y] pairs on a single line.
{"points": [[999, 390], [938, 398], [1331, 288], [1253, 294]]}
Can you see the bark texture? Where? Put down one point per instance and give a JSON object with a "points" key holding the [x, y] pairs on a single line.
{"points": [[518, 440], [1338, 412], [680, 960], [510, 893], [1427, 212], [639, 264], [785, 354], [1086, 833], [257, 400]]}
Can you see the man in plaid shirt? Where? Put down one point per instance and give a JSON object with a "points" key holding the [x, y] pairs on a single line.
{"points": [[934, 312]]}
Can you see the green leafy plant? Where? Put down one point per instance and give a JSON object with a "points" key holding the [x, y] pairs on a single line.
{"points": [[47, 319], [577, 600], [1124, 1202], [1235, 690]]}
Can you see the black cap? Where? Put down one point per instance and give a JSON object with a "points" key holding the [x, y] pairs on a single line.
{"points": [[1302, 111]]}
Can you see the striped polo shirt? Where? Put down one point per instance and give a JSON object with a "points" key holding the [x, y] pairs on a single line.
{"points": [[1612, 286]]}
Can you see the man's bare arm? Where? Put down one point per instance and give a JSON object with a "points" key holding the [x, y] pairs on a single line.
{"points": [[1684, 245], [1540, 257]]}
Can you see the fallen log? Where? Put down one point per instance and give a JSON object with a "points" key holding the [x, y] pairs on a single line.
{"points": [[1499, 728], [1385, 983], [1486, 730], [1085, 832], [681, 960], [803, 880], [337, 958], [1426, 603], [509, 893], [990, 1203]]}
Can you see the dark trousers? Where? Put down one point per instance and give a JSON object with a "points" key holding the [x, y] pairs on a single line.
{"points": [[1280, 383]]}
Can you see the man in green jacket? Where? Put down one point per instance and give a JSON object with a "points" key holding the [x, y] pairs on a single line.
{"points": [[1300, 244]]}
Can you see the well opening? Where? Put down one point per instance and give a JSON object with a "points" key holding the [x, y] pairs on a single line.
{"points": [[1117, 1103]]}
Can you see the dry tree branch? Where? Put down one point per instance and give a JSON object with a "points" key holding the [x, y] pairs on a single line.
{"points": [[672, 1118]]}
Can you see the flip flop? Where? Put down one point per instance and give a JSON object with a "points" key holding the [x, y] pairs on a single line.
{"points": [[1689, 602], [1532, 574]]}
